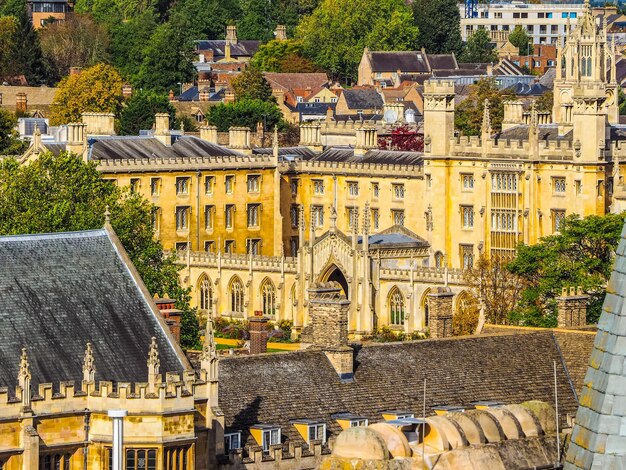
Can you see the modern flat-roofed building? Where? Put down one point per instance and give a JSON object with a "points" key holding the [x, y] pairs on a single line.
{"points": [[47, 11], [544, 22]]}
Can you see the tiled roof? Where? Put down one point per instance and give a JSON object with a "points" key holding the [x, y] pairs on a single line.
{"points": [[442, 61], [61, 291], [599, 435], [241, 49], [389, 157], [546, 132], [277, 388], [408, 62], [363, 98], [292, 81]]}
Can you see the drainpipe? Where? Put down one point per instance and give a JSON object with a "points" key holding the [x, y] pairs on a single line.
{"points": [[118, 438]]}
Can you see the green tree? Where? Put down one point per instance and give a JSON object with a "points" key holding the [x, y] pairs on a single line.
{"points": [[128, 42], [545, 101], [8, 29], [138, 112], [282, 56], [257, 20], [479, 48], [469, 113], [337, 31], [95, 89], [9, 142], [581, 254], [244, 113], [62, 193], [520, 39], [252, 85], [439, 23], [77, 42], [167, 60]]}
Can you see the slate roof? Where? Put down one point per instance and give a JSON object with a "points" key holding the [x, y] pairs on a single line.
{"points": [[138, 147], [292, 81], [546, 132], [395, 237], [389, 157], [442, 62], [241, 49], [303, 152], [62, 290], [599, 435], [523, 89], [277, 388], [363, 98], [409, 61]]}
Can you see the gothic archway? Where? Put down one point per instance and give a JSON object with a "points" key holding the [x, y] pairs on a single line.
{"points": [[334, 274]]}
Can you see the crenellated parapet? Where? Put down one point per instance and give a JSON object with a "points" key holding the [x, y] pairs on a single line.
{"points": [[549, 150], [240, 261], [186, 164], [357, 168]]}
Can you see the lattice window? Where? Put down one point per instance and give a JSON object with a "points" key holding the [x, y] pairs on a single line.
{"points": [[254, 183], [467, 216], [206, 294], [396, 307], [182, 185], [236, 296], [182, 218], [398, 191]]}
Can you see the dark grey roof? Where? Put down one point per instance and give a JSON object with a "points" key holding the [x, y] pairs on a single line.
{"points": [[315, 108], [60, 291], [395, 240], [388, 157], [363, 98], [55, 148], [278, 388], [524, 89], [190, 94], [30, 123], [442, 62], [241, 49], [303, 152], [409, 61], [137, 147], [546, 132]]}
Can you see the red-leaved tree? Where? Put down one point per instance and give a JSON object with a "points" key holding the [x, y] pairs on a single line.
{"points": [[402, 138]]}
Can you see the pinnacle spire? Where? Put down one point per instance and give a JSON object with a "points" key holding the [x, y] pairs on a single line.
{"points": [[24, 371], [107, 216], [89, 368], [486, 125], [153, 365]]}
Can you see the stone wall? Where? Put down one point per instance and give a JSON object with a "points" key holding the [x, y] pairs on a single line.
{"points": [[572, 307], [440, 312]]}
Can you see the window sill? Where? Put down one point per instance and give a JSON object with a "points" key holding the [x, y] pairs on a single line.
{"points": [[182, 232]]}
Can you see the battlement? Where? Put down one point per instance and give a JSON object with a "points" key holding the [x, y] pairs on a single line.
{"points": [[238, 261], [557, 150], [439, 87], [172, 393], [379, 169], [424, 274], [182, 164]]}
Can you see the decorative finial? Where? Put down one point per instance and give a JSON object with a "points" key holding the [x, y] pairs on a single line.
{"points": [[107, 216], [153, 365], [208, 357], [333, 218], [182, 126], [275, 143], [37, 132], [24, 372], [486, 126], [89, 368]]}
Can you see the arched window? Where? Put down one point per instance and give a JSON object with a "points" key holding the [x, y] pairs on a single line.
{"points": [[236, 295], [439, 260], [268, 298], [396, 307], [205, 293], [425, 307]]}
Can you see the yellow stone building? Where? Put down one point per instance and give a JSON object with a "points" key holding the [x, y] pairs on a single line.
{"points": [[255, 227]]}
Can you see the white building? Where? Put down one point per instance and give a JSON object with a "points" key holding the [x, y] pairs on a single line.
{"points": [[544, 22]]}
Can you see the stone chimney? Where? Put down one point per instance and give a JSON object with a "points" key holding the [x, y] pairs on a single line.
{"points": [[162, 128], [513, 114], [204, 94], [330, 114], [281, 32], [440, 312], [171, 96], [76, 138], [366, 139], [21, 102], [127, 90], [438, 116], [311, 135], [99, 124], [328, 310], [239, 139], [171, 315], [229, 96], [231, 34], [258, 333], [209, 133], [572, 307], [75, 70]]}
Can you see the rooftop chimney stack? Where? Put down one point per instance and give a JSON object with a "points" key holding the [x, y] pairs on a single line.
{"points": [[231, 34], [366, 139], [281, 32], [99, 124], [209, 133], [21, 102], [258, 333], [239, 139], [162, 128], [572, 307]]}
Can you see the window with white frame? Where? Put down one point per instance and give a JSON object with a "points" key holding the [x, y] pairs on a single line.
{"points": [[229, 215], [354, 423], [558, 183], [232, 441], [317, 432], [208, 217], [182, 218], [229, 184], [468, 181], [155, 186], [503, 182], [271, 437], [398, 217], [254, 215], [398, 191], [467, 216], [182, 185], [503, 220], [353, 188], [318, 187], [317, 216], [254, 183]]}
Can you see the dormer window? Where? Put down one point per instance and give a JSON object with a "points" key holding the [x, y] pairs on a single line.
{"points": [[391, 415], [232, 441], [349, 420], [311, 430], [299, 99], [354, 423], [266, 435]]}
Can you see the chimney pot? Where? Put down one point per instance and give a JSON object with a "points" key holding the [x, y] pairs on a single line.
{"points": [[258, 333]]}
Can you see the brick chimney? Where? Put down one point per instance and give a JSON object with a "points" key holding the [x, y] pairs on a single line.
{"points": [[440, 312], [572, 307], [171, 96], [21, 102], [171, 315], [258, 333], [328, 309], [204, 94]]}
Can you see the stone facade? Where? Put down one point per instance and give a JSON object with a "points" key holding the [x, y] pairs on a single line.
{"points": [[572, 307], [440, 312]]}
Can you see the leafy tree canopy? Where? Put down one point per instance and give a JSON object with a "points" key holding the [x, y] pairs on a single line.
{"points": [[469, 113], [244, 113], [252, 85], [520, 39], [282, 56], [138, 112], [479, 48], [404, 138], [439, 23], [95, 89], [335, 34], [8, 30], [62, 193], [580, 255], [9, 142], [77, 42], [545, 101]]}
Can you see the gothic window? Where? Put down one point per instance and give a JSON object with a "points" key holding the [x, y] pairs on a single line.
{"points": [[467, 256], [558, 216], [206, 294], [254, 183], [182, 185], [398, 191], [208, 217], [229, 184], [439, 260], [375, 190], [396, 307], [268, 298], [398, 217], [141, 459], [208, 184], [182, 218], [155, 216], [468, 182], [253, 246], [155, 186], [375, 219], [317, 216], [353, 188], [236, 296], [253, 215], [318, 187], [558, 185], [294, 215], [467, 213], [229, 215]]}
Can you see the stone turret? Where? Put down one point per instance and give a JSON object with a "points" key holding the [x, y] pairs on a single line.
{"points": [[239, 139], [328, 309], [231, 35], [438, 116], [89, 367], [23, 379]]}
